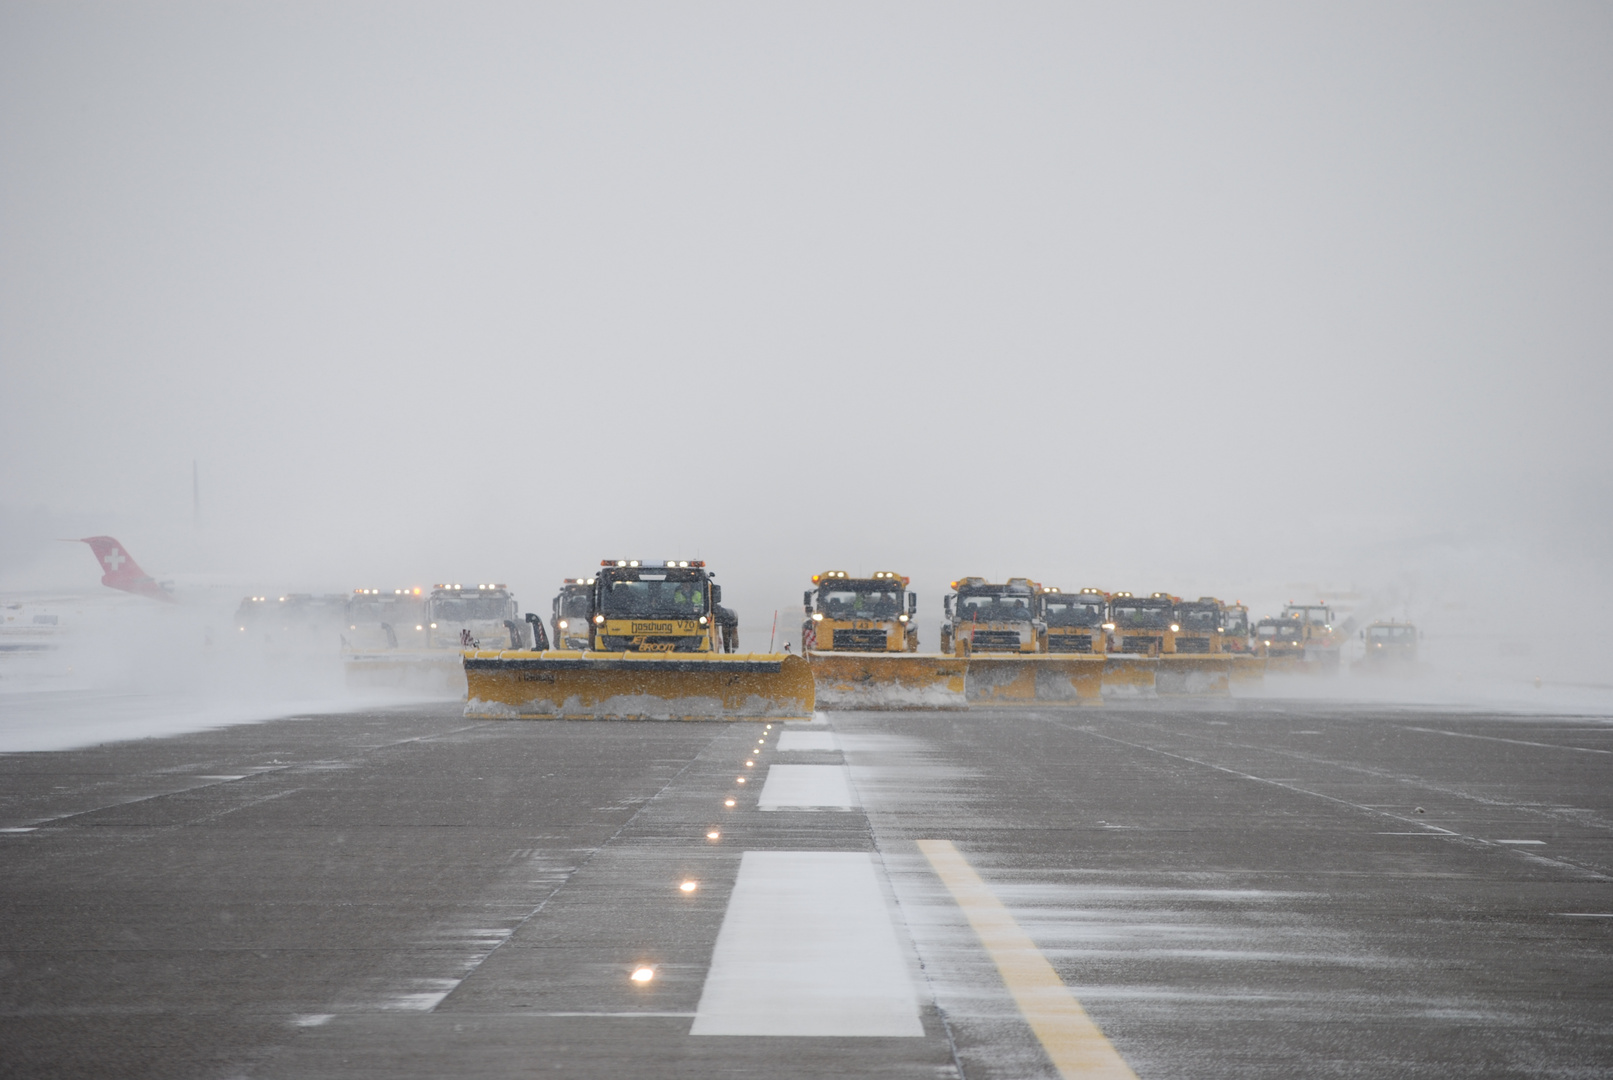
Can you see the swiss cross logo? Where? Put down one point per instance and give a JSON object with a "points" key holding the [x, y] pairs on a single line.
{"points": [[115, 560]]}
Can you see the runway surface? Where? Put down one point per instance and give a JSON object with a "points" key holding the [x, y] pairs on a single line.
{"points": [[1255, 890]]}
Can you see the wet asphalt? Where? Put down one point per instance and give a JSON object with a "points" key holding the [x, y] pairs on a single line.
{"points": [[1237, 890]]}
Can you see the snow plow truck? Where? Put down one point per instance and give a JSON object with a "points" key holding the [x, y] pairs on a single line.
{"points": [[860, 638], [660, 647]]}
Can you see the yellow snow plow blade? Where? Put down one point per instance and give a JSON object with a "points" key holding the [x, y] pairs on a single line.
{"points": [[414, 669], [1126, 675], [1034, 680], [637, 686], [848, 680], [1248, 671], [1196, 676]]}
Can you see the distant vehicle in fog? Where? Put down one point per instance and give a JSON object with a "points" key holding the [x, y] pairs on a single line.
{"points": [[1389, 644]]}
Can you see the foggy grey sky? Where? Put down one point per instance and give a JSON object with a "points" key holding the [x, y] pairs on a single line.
{"points": [[1138, 296]]}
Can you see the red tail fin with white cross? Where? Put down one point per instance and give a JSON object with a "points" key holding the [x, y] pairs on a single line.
{"points": [[122, 572]]}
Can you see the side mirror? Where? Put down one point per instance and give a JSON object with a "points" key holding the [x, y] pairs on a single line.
{"points": [[806, 599], [912, 602], [716, 593], [946, 605]]}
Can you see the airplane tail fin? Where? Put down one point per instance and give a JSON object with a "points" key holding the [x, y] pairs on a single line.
{"points": [[122, 572]]}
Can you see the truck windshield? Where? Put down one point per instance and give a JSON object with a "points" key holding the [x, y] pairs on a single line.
{"points": [[1287, 630], [981, 607], [1141, 615], [573, 605], [1199, 619], [860, 602], [659, 595], [1308, 613], [1067, 611], [1237, 621], [1396, 634], [469, 608], [383, 610]]}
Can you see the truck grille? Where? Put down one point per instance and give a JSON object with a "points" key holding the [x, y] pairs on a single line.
{"points": [[864, 640], [993, 640], [1138, 644], [1192, 644], [1069, 643]]}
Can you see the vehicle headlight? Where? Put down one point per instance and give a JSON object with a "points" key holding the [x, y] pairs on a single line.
{"points": [[817, 616], [703, 620], [564, 624], [901, 618], [599, 620], [1175, 629], [434, 626], [420, 628]]}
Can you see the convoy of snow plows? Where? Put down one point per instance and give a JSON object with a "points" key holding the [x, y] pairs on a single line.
{"points": [[652, 640]]}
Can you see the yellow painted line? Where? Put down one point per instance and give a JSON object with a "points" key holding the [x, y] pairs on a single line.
{"points": [[1072, 1041]]}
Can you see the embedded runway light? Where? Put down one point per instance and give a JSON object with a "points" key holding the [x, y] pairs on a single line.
{"points": [[643, 975], [741, 779], [434, 626], [728, 802], [714, 835], [689, 886], [750, 764]]}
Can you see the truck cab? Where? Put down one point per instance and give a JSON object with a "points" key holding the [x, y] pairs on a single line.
{"points": [[1143, 625], [384, 619], [572, 610], [985, 618], [659, 607], [1389, 643], [473, 617], [1234, 628], [1322, 641], [1074, 620], [847, 614], [1280, 639], [1202, 627]]}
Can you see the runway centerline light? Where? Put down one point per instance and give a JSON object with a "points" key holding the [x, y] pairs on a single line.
{"points": [[728, 802], [750, 764], [689, 886], [714, 835], [741, 779], [643, 974]]}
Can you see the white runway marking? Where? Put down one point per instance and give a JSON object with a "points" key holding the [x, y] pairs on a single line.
{"points": [[807, 948], [807, 740], [792, 787]]}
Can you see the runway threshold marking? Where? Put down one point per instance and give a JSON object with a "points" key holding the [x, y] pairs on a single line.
{"points": [[807, 787], [808, 947], [807, 740], [1073, 1042]]}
